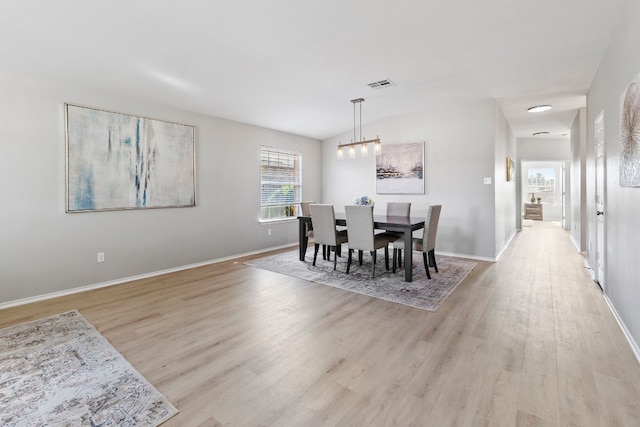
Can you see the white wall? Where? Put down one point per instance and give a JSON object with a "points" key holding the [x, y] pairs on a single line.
{"points": [[459, 153], [44, 250], [620, 64], [505, 146]]}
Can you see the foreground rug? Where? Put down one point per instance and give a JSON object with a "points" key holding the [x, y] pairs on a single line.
{"points": [[420, 293], [60, 371]]}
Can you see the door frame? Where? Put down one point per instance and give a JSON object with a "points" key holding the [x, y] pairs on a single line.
{"points": [[600, 198], [522, 179]]}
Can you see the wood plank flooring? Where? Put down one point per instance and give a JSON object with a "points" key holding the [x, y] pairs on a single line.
{"points": [[527, 341]]}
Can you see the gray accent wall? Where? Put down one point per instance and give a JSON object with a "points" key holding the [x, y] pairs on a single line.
{"points": [[620, 64], [44, 250]]}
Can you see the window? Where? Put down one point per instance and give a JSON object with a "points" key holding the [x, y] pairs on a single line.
{"points": [[542, 184], [281, 183]]}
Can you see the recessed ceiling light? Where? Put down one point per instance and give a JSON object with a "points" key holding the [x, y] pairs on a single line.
{"points": [[540, 133], [539, 108]]}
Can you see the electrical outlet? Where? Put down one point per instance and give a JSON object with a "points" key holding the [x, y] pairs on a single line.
{"points": [[100, 256], [487, 180], [268, 232]]}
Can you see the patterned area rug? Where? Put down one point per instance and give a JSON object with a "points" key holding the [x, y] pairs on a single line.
{"points": [[60, 371], [420, 293]]}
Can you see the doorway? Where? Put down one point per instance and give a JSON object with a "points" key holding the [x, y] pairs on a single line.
{"points": [[543, 183]]}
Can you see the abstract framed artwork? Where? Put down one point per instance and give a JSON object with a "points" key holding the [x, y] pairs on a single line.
{"points": [[511, 170], [118, 161], [400, 169], [630, 135]]}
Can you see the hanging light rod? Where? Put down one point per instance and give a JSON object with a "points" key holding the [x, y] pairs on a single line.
{"points": [[363, 143], [375, 141]]}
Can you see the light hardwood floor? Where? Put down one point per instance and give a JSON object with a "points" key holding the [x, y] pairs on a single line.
{"points": [[527, 341]]}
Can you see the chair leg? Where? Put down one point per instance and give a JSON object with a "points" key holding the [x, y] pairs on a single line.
{"points": [[432, 254], [399, 257], [335, 257], [315, 253], [373, 263], [349, 260], [360, 257], [426, 264], [386, 257], [324, 252], [395, 255]]}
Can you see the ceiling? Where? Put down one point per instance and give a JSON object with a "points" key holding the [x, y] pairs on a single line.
{"points": [[294, 65]]}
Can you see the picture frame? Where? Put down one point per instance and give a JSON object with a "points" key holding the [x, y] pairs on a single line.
{"points": [[117, 161], [511, 170], [400, 169], [629, 166]]}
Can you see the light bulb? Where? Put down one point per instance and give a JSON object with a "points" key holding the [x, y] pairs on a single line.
{"points": [[377, 148]]}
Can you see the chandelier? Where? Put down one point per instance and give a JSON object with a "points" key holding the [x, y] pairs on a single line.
{"points": [[364, 144]]}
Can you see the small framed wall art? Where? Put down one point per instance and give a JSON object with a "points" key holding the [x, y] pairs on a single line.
{"points": [[511, 170], [400, 169]]}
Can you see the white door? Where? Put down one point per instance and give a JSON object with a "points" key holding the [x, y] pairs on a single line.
{"points": [[600, 200]]}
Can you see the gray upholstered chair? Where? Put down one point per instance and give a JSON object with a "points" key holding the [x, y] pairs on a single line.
{"points": [[399, 209], [306, 211], [325, 233], [362, 236], [402, 209], [426, 244]]}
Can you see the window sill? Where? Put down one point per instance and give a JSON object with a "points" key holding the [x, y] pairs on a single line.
{"points": [[278, 220]]}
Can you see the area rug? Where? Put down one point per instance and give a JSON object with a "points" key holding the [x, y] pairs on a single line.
{"points": [[423, 293], [60, 371]]}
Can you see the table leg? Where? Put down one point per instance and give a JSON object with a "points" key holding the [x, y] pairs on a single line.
{"points": [[408, 255], [303, 240]]}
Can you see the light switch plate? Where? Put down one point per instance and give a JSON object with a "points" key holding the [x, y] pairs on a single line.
{"points": [[487, 180]]}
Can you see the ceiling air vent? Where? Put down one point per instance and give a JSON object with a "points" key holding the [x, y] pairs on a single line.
{"points": [[381, 84]]}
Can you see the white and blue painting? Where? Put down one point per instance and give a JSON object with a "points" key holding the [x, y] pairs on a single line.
{"points": [[118, 161], [400, 169]]}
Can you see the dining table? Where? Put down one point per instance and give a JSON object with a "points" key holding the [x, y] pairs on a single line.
{"points": [[399, 224]]}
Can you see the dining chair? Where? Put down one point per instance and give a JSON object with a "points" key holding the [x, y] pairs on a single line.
{"points": [[399, 208], [402, 209], [325, 233], [426, 244], [362, 236], [306, 211]]}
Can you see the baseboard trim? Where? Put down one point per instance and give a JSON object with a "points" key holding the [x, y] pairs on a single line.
{"points": [[625, 331], [72, 291], [505, 246], [457, 255], [590, 270], [575, 243]]}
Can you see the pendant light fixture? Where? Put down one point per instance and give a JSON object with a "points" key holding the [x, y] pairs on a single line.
{"points": [[364, 148]]}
